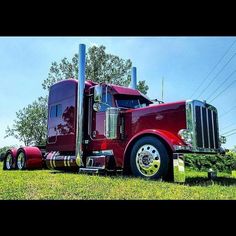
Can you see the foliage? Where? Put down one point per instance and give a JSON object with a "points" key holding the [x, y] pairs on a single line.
{"points": [[3, 151], [100, 67], [225, 163], [30, 123], [48, 184]]}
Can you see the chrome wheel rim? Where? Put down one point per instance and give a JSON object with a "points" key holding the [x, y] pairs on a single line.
{"points": [[9, 161], [21, 161], [148, 160]]}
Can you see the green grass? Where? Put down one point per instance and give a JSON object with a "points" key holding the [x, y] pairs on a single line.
{"points": [[48, 184]]}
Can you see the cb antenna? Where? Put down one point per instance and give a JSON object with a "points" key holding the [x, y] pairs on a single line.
{"points": [[162, 89]]}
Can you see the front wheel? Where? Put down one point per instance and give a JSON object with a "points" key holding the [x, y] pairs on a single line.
{"points": [[149, 158]]}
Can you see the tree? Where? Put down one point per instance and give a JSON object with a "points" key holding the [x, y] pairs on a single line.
{"points": [[100, 67], [30, 124], [142, 87]]}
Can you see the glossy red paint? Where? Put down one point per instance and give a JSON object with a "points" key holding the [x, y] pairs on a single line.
{"points": [[124, 90], [13, 152], [62, 128], [169, 118], [34, 159], [62, 93], [163, 120], [166, 136]]}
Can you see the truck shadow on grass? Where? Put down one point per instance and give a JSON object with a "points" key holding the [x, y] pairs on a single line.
{"points": [[190, 181], [204, 181]]}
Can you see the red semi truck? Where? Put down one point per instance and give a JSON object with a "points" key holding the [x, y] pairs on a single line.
{"points": [[103, 127]]}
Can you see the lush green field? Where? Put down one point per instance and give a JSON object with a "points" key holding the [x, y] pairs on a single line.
{"points": [[47, 184]]}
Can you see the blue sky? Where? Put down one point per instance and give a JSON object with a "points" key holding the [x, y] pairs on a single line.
{"points": [[183, 62]]}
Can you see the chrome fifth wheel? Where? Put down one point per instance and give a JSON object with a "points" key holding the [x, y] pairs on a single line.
{"points": [[21, 161], [8, 163], [149, 158]]}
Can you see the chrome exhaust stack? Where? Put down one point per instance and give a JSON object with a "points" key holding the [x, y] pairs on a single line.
{"points": [[80, 104], [133, 82]]}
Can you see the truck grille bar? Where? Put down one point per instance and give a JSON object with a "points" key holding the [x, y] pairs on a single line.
{"points": [[206, 128]]}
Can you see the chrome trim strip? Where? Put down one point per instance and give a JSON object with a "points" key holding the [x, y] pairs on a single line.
{"points": [[65, 164], [189, 120], [208, 131], [196, 149], [203, 140], [185, 148], [90, 116], [108, 152], [68, 161], [213, 129], [53, 161]]}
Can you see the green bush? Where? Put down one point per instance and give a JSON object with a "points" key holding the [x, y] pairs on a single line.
{"points": [[221, 163]]}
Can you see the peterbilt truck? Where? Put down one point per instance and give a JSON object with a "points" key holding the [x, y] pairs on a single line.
{"points": [[100, 127]]}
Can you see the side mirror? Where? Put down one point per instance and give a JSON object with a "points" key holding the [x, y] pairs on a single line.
{"points": [[98, 94]]}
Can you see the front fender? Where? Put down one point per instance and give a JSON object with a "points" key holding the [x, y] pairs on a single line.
{"points": [[169, 138]]}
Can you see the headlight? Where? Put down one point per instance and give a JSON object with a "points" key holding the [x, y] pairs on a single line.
{"points": [[222, 139], [185, 135]]}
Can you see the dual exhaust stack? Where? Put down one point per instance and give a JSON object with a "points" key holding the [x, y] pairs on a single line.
{"points": [[80, 100]]}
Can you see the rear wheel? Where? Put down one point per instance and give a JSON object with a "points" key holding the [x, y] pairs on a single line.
{"points": [[149, 158], [8, 163], [21, 161]]}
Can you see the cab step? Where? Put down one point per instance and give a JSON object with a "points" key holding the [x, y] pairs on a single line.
{"points": [[91, 170]]}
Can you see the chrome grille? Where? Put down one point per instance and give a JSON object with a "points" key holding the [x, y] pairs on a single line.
{"points": [[202, 120]]}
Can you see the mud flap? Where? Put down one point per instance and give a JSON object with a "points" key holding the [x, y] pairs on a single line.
{"points": [[179, 168]]}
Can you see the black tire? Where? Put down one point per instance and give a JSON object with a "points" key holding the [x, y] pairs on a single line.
{"points": [[149, 158], [21, 161], [9, 162]]}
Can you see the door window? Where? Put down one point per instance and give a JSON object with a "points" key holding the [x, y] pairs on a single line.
{"points": [[56, 111], [105, 101]]}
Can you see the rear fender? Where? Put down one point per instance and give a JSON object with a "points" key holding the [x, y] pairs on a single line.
{"points": [[13, 152], [34, 158]]}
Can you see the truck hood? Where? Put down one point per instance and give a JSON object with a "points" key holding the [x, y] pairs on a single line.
{"points": [[166, 107]]}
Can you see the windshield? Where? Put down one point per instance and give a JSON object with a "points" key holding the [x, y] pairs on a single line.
{"points": [[130, 103]]}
